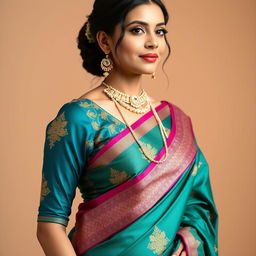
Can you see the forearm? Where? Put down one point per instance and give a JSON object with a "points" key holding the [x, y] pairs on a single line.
{"points": [[54, 240]]}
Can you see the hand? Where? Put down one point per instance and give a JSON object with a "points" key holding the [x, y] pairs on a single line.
{"points": [[181, 250]]}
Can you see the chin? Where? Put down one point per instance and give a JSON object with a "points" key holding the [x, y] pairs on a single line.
{"points": [[149, 72], [140, 71], [146, 71]]}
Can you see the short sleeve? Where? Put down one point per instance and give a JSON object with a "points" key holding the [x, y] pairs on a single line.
{"points": [[65, 156]]}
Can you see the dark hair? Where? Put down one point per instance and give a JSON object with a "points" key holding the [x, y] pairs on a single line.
{"points": [[106, 14]]}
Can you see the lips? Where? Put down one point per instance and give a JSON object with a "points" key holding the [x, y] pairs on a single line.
{"points": [[149, 57]]}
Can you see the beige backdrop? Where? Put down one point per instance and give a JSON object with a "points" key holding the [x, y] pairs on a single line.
{"points": [[212, 77]]}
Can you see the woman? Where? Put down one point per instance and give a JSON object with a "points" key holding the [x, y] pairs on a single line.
{"points": [[142, 176]]}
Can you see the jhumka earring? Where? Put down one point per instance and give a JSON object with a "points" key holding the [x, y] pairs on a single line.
{"points": [[106, 65], [153, 75]]}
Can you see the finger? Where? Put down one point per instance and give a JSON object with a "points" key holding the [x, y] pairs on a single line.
{"points": [[183, 253], [177, 253]]}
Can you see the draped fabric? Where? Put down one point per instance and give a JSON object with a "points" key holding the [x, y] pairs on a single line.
{"points": [[131, 206]]}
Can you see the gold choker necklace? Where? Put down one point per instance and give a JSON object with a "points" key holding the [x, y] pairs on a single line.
{"points": [[132, 103]]}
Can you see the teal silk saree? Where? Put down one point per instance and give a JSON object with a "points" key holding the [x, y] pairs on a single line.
{"points": [[131, 206]]}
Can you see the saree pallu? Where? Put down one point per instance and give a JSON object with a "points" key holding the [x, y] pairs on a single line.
{"points": [[152, 212]]}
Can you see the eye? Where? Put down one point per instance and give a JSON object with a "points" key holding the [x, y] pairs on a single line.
{"points": [[137, 30], [162, 31]]}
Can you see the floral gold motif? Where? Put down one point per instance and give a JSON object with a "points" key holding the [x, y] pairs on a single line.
{"points": [[95, 126], [87, 105], [117, 122], [118, 177], [44, 189], [112, 128], [91, 114], [150, 151], [103, 115], [158, 241], [57, 129], [196, 168]]}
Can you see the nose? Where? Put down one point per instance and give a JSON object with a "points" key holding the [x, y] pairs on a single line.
{"points": [[151, 42]]}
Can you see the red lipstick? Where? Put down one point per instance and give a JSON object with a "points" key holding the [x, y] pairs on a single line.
{"points": [[150, 57]]}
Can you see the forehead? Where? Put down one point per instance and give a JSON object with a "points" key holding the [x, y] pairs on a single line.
{"points": [[149, 13]]}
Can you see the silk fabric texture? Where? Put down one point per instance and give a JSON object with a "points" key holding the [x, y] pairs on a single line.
{"points": [[131, 205]]}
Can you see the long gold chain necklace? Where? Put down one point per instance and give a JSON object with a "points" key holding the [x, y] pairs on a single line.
{"points": [[161, 127], [132, 103]]}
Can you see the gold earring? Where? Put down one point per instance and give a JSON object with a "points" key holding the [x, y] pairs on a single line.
{"points": [[106, 65], [153, 75]]}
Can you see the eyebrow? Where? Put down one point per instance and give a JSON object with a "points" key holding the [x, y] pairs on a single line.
{"points": [[144, 23]]}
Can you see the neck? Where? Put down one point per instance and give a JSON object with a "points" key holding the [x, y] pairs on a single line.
{"points": [[129, 84]]}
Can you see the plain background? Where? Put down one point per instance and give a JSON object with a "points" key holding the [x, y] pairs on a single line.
{"points": [[212, 78]]}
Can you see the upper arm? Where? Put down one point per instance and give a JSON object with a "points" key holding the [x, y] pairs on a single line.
{"points": [[65, 155]]}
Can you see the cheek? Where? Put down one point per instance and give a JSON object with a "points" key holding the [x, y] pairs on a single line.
{"points": [[130, 47], [162, 47], [127, 51]]}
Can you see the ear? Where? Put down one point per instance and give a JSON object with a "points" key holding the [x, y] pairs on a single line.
{"points": [[103, 41]]}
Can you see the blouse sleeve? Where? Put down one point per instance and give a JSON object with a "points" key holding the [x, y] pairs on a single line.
{"points": [[65, 155]]}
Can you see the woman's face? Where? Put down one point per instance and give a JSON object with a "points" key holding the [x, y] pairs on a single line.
{"points": [[143, 44]]}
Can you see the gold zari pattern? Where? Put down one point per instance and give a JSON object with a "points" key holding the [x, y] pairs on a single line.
{"points": [[118, 177], [57, 130], [196, 168], [95, 126], [150, 151], [87, 105], [91, 114], [44, 189], [97, 114], [158, 241], [103, 115]]}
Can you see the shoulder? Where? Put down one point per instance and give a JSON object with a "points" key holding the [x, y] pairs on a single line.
{"points": [[157, 102], [71, 125], [177, 109], [73, 113]]}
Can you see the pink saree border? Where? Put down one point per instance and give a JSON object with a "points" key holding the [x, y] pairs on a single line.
{"points": [[126, 131], [190, 242]]}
